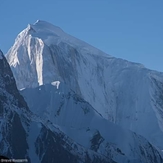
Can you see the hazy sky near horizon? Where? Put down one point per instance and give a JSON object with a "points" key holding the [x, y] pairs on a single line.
{"points": [[128, 29]]}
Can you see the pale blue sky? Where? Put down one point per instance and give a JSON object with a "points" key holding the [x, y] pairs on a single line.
{"points": [[128, 29]]}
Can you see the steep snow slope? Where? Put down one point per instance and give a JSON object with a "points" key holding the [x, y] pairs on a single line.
{"points": [[24, 135], [76, 117], [123, 92]]}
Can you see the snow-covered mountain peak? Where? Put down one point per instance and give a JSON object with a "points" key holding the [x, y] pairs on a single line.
{"points": [[53, 35], [123, 92], [36, 51], [44, 26]]}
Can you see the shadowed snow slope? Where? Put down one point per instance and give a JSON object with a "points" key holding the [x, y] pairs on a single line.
{"points": [[78, 119], [123, 92], [24, 135]]}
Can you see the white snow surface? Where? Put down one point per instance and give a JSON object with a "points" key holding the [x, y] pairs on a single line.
{"points": [[56, 83], [78, 120], [123, 92]]}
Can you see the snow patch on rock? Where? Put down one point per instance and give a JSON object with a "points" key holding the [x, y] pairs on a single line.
{"points": [[56, 83]]}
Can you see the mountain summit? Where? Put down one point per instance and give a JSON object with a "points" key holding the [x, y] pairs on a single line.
{"points": [[121, 92], [31, 49]]}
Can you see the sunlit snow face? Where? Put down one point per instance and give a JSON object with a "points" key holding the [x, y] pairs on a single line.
{"points": [[119, 90]]}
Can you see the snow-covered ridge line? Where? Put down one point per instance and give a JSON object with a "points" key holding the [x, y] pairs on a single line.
{"points": [[50, 33], [121, 91]]}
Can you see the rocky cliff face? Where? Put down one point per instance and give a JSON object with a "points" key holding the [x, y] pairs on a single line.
{"points": [[12, 134]]}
